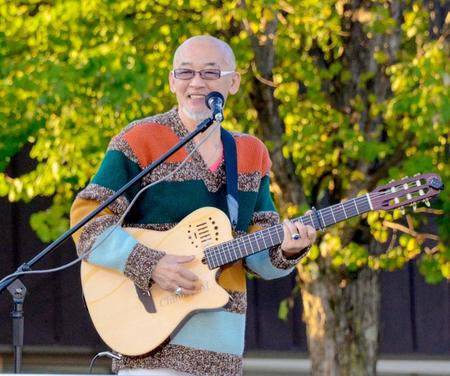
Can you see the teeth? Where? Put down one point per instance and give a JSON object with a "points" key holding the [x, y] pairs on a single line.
{"points": [[195, 96]]}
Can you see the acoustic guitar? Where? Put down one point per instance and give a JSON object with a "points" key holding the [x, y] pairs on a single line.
{"points": [[134, 322]]}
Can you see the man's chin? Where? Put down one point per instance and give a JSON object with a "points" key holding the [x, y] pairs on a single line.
{"points": [[196, 115]]}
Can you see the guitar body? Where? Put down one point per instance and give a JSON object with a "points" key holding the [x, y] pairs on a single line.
{"points": [[133, 322]]}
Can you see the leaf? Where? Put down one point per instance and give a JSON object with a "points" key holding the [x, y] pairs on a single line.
{"points": [[283, 310]]}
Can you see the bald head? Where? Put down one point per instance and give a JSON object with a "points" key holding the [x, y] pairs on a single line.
{"points": [[208, 43]]}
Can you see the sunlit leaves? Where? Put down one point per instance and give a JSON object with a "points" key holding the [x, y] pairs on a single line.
{"points": [[74, 73], [436, 266], [49, 224]]}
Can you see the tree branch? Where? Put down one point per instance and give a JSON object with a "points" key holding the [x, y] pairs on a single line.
{"points": [[267, 107]]}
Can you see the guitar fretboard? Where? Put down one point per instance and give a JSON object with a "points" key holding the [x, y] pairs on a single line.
{"points": [[247, 245]]}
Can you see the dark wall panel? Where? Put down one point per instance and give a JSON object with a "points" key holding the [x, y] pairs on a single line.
{"points": [[415, 316], [432, 311], [54, 313], [396, 325], [265, 331]]}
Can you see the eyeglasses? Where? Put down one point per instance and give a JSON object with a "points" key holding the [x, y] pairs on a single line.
{"points": [[206, 74]]}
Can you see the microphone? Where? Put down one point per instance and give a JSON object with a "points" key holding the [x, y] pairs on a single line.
{"points": [[214, 101]]}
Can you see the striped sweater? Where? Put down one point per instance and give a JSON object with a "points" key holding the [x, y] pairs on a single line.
{"points": [[219, 348]]}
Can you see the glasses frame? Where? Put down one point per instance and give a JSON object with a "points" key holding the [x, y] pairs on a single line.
{"points": [[201, 72]]}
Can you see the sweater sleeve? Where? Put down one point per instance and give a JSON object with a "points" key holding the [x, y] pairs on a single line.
{"points": [[102, 242], [271, 263]]}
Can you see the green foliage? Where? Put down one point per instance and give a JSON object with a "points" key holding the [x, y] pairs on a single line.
{"points": [[283, 309], [287, 304], [74, 73], [435, 267], [51, 223]]}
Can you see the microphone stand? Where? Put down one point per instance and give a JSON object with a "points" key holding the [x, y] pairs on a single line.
{"points": [[18, 290]]}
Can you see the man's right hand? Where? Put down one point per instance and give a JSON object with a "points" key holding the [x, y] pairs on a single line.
{"points": [[170, 274]]}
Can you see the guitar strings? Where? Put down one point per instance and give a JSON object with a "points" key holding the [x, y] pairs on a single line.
{"points": [[225, 248]]}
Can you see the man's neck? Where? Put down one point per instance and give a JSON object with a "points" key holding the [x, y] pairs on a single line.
{"points": [[191, 125], [188, 123]]}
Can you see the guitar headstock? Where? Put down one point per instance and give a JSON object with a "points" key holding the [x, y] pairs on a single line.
{"points": [[406, 192]]}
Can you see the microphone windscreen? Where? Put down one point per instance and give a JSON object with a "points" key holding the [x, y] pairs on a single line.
{"points": [[213, 95]]}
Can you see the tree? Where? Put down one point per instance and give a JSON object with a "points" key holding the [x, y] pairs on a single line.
{"points": [[346, 94]]}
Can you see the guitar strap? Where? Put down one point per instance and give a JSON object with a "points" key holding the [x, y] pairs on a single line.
{"points": [[230, 157]]}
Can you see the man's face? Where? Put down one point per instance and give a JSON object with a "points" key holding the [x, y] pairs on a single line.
{"points": [[198, 55]]}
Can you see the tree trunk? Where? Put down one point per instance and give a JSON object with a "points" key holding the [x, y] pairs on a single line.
{"points": [[341, 308], [341, 317]]}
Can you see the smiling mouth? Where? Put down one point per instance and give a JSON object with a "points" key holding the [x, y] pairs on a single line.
{"points": [[196, 96]]}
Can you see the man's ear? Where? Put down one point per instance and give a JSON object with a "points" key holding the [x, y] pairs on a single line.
{"points": [[172, 82], [235, 83]]}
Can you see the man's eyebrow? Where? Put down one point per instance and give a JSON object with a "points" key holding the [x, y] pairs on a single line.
{"points": [[186, 63]]}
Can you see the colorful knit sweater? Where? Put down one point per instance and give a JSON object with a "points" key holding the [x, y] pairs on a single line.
{"points": [[210, 342]]}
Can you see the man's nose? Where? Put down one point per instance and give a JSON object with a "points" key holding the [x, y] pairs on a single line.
{"points": [[197, 80]]}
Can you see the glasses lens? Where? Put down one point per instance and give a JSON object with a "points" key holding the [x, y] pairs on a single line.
{"points": [[184, 74], [210, 74]]}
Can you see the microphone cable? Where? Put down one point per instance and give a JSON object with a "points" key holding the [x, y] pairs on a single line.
{"points": [[108, 354]]}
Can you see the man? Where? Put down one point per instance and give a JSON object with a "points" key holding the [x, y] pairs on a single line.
{"points": [[210, 342]]}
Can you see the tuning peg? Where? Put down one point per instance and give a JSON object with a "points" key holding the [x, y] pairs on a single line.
{"points": [[427, 203], [402, 210], [417, 174], [414, 207]]}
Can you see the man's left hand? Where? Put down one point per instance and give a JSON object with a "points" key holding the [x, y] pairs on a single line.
{"points": [[297, 238]]}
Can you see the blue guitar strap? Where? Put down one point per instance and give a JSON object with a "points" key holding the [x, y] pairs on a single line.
{"points": [[230, 157]]}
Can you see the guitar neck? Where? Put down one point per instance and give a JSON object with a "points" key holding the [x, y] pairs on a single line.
{"points": [[247, 245]]}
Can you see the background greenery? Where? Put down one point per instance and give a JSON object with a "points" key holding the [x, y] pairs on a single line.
{"points": [[347, 94], [73, 73]]}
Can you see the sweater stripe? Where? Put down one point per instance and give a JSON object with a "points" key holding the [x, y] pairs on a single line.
{"points": [[149, 141], [218, 331], [258, 264], [119, 240]]}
